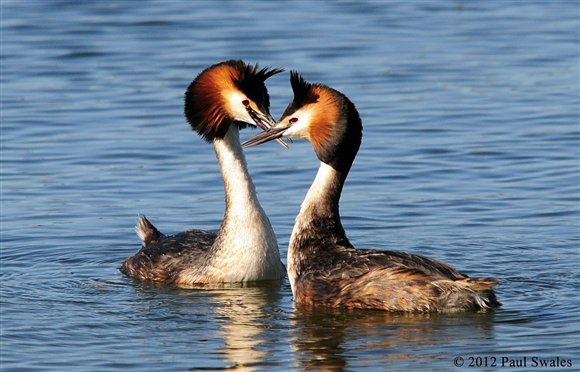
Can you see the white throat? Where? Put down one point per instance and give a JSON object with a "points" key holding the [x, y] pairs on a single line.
{"points": [[319, 191], [246, 247]]}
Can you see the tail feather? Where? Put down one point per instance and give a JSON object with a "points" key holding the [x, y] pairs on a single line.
{"points": [[467, 294], [146, 231], [483, 293]]}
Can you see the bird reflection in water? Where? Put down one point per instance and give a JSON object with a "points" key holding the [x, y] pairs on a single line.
{"points": [[335, 339], [243, 312], [245, 315]]}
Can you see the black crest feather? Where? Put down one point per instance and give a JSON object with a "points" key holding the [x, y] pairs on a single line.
{"points": [[249, 73], [251, 80], [303, 93]]}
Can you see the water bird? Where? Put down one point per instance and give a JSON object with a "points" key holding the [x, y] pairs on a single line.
{"points": [[324, 268], [220, 101]]}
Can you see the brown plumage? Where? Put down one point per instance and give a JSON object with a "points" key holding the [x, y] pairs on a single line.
{"points": [[388, 280], [169, 259], [323, 267]]}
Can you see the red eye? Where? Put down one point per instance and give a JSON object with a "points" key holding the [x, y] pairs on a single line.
{"points": [[293, 120], [246, 103]]}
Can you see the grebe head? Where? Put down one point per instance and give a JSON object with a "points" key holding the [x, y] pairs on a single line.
{"points": [[323, 116], [228, 93]]}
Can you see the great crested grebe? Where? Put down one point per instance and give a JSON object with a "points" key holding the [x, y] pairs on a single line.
{"points": [[323, 266], [222, 99]]}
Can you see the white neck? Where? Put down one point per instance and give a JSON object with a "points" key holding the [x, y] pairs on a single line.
{"points": [[246, 247], [323, 193], [320, 204], [238, 185]]}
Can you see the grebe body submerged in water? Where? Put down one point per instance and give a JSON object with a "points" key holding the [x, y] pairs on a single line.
{"points": [[323, 266], [222, 99]]}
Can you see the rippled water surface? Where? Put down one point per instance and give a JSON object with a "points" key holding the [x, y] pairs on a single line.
{"points": [[470, 155]]}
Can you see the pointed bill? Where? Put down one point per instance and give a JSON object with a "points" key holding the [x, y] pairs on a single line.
{"points": [[266, 136], [264, 122]]}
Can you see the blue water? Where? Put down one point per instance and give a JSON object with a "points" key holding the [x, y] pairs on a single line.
{"points": [[470, 155]]}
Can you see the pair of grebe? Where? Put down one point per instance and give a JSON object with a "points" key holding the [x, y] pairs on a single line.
{"points": [[323, 267]]}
